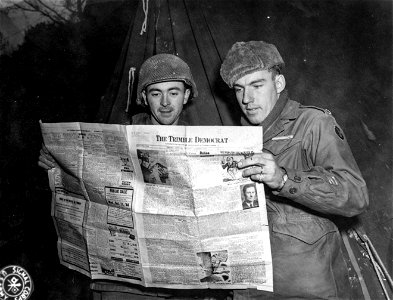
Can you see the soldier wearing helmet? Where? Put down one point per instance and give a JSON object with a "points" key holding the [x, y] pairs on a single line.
{"points": [[308, 172], [165, 86]]}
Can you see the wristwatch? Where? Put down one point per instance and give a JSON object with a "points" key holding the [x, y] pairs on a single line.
{"points": [[284, 179]]}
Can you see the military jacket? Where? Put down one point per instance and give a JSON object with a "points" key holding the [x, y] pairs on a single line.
{"points": [[323, 180]]}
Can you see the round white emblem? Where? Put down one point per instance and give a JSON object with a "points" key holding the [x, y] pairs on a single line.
{"points": [[15, 283]]}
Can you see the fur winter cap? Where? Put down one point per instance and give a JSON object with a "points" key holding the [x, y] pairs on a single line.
{"points": [[247, 57], [161, 68]]}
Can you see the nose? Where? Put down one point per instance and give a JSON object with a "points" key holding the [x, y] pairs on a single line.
{"points": [[248, 96], [165, 100]]}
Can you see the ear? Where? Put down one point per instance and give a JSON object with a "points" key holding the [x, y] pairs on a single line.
{"points": [[144, 98], [187, 94], [280, 83]]}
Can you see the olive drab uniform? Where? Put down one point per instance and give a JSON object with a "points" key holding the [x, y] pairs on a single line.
{"points": [[323, 180]]}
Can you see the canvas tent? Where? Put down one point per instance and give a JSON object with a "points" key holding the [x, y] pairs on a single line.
{"points": [[169, 30], [328, 66]]}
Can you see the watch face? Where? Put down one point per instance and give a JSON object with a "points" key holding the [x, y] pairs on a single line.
{"points": [[284, 179]]}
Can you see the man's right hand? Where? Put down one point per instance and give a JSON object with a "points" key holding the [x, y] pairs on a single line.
{"points": [[45, 160], [264, 169]]}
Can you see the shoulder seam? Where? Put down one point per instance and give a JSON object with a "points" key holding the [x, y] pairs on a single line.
{"points": [[324, 110]]}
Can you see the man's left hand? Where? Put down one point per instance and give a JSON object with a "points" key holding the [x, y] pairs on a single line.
{"points": [[46, 160], [263, 168]]}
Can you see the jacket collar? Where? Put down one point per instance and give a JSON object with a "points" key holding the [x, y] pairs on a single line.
{"points": [[290, 112]]}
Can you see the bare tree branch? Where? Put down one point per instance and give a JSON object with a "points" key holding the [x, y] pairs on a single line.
{"points": [[72, 9], [49, 9], [17, 6], [37, 9]]}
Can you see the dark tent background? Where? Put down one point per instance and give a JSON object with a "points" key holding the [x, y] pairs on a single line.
{"points": [[338, 56]]}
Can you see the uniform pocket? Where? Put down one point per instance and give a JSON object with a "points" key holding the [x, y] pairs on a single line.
{"points": [[277, 147], [306, 228]]}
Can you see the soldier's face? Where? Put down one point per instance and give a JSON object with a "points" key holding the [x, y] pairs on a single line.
{"points": [[257, 93], [250, 194], [166, 100]]}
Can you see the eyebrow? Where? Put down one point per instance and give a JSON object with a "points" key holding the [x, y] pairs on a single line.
{"points": [[251, 83]]}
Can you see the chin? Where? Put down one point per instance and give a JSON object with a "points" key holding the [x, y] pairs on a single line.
{"points": [[167, 121], [255, 121]]}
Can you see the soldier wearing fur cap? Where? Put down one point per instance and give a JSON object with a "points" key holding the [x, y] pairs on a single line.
{"points": [[309, 175]]}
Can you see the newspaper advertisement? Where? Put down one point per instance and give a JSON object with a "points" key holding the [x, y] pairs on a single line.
{"points": [[159, 206]]}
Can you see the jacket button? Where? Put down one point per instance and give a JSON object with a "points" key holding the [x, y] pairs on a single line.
{"points": [[293, 190], [297, 178]]}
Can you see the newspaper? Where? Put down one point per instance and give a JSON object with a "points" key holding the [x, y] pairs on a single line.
{"points": [[159, 206]]}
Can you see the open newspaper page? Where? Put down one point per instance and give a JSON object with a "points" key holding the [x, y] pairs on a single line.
{"points": [[159, 206], [194, 223], [92, 197]]}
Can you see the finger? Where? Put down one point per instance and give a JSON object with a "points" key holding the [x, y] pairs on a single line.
{"points": [[258, 177], [47, 156], [259, 160], [252, 171], [47, 162], [248, 163], [44, 148], [44, 166]]}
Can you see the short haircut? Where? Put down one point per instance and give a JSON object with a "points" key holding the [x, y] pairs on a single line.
{"points": [[246, 186]]}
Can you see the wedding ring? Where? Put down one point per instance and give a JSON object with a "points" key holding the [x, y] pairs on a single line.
{"points": [[260, 176]]}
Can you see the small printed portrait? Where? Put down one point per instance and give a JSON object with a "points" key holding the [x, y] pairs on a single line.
{"points": [[112, 230], [214, 267], [125, 161], [249, 196], [153, 167]]}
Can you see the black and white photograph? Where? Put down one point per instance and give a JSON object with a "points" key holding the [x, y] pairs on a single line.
{"points": [[153, 168], [249, 196], [214, 266], [315, 77]]}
